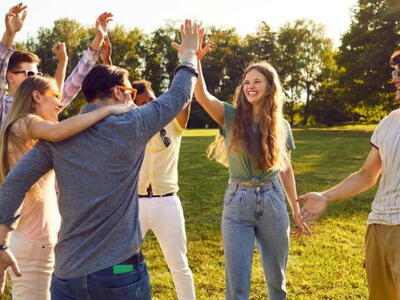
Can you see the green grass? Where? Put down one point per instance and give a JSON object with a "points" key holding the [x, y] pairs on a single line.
{"points": [[328, 265], [325, 266]]}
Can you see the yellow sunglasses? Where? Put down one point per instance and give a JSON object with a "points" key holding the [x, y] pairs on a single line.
{"points": [[52, 92]]}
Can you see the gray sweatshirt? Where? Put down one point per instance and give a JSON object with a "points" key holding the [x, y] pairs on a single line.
{"points": [[97, 173]]}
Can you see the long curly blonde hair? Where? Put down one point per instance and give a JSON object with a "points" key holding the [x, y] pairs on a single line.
{"points": [[273, 154]]}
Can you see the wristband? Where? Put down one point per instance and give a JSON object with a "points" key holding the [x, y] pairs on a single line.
{"points": [[189, 67]]}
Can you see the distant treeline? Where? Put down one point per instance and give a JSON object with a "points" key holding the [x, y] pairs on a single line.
{"points": [[322, 85]]}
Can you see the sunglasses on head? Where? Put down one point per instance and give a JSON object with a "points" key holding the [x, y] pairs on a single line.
{"points": [[132, 91], [28, 73], [166, 140]]}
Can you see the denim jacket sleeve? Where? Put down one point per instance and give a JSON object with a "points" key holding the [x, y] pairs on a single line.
{"points": [[23, 175], [153, 116]]}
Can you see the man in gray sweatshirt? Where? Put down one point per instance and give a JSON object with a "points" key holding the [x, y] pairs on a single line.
{"points": [[97, 255]]}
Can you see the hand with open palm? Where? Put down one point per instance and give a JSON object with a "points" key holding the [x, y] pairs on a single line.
{"points": [[201, 51], [15, 18]]}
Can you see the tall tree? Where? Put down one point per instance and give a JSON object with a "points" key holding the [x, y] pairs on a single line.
{"points": [[262, 46], [364, 55], [65, 30], [161, 59], [303, 50], [128, 49]]}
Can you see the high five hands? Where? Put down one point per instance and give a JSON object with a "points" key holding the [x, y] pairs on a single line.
{"points": [[201, 50]]}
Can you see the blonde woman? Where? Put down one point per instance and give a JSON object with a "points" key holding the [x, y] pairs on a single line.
{"points": [[34, 116], [255, 144]]}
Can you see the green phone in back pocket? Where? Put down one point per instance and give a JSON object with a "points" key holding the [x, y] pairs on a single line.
{"points": [[121, 269]]}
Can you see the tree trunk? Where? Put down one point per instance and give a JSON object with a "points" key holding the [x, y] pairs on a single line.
{"points": [[307, 105]]}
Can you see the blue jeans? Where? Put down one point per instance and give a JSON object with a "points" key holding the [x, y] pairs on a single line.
{"points": [[255, 214], [104, 285]]}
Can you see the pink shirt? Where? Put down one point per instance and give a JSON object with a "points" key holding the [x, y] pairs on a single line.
{"points": [[39, 216]]}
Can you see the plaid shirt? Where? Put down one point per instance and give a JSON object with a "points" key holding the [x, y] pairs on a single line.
{"points": [[5, 100], [71, 87]]}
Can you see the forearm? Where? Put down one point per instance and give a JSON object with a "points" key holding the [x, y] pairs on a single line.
{"points": [[4, 234], [8, 39], [107, 60], [69, 127], [61, 70], [353, 185], [201, 93], [5, 54], [289, 184], [183, 116], [96, 42], [161, 111], [210, 103], [74, 81]]}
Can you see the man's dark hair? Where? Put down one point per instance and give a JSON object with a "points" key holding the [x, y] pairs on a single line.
{"points": [[19, 57], [100, 80], [142, 86]]}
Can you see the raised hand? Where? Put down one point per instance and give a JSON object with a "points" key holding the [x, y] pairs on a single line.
{"points": [[189, 41], [102, 22], [105, 51], [101, 28], [14, 19], [201, 51], [60, 51], [314, 206]]}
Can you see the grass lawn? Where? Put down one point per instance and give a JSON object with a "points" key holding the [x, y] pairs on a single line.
{"points": [[328, 265]]}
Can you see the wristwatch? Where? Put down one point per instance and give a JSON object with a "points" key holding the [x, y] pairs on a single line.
{"points": [[3, 247]]}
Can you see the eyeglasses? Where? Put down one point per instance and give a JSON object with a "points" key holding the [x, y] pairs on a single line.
{"points": [[132, 91], [28, 73], [395, 74], [57, 94], [166, 140]]}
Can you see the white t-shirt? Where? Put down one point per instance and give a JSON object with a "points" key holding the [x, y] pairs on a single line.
{"points": [[160, 163], [386, 205]]}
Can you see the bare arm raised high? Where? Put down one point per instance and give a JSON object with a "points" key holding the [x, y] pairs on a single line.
{"points": [[211, 104]]}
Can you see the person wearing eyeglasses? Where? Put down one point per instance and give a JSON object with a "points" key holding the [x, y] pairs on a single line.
{"points": [[160, 208], [382, 240], [34, 116], [16, 66], [97, 255], [35, 235]]}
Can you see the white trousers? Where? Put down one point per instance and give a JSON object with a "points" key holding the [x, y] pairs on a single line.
{"points": [[35, 259], [164, 216]]}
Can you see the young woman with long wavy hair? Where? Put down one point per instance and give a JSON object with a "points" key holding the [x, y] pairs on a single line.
{"points": [[255, 144], [33, 116]]}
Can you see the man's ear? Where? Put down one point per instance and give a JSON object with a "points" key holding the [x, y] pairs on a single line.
{"points": [[118, 95], [10, 77]]}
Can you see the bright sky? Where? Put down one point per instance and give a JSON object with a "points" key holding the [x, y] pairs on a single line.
{"points": [[151, 14]]}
